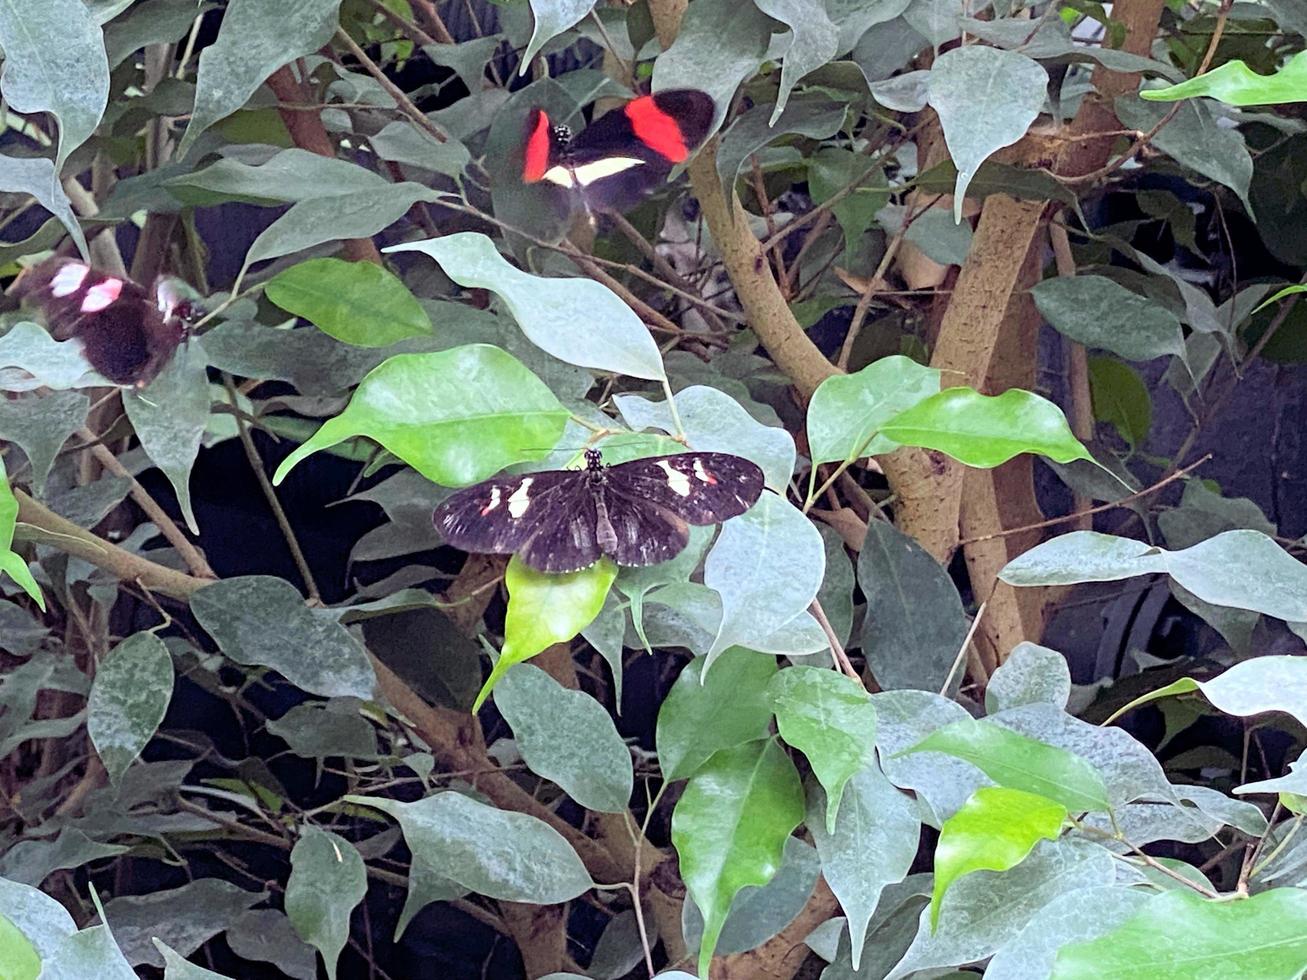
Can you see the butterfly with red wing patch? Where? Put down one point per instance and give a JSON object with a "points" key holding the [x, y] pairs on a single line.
{"points": [[636, 513], [623, 154], [128, 333]]}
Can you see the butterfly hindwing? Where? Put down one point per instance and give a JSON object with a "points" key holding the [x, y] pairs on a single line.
{"points": [[566, 534], [700, 488], [644, 533]]}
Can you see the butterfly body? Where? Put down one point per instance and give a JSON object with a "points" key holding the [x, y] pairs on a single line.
{"points": [[636, 513], [127, 332], [622, 155]]}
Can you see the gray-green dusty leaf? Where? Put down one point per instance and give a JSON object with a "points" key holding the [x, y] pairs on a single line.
{"points": [[828, 718], [359, 214], [902, 93], [317, 365], [129, 697], [177, 968], [872, 845], [941, 783], [185, 918], [1099, 312], [1031, 675], [1294, 781], [513, 857], [254, 40], [551, 17], [914, 624], [40, 425], [31, 861], [890, 934], [1195, 139], [1204, 513], [759, 913], [360, 303], [36, 176], [1236, 626], [261, 621], [687, 614], [579, 321], [716, 423], [767, 565], [55, 63], [1260, 685], [170, 417], [814, 42], [266, 936], [938, 21], [847, 410], [316, 731], [40, 918], [567, 737], [327, 879], [986, 99], [940, 239], [425, 885], [1074, 917], [618, 951], [720, 43], [754, 129], [289, 175], [89, 953], [144, 23], [403, 142], [836, 593], [1271, 583], [701, 715], [854, 18], [984, 911]]}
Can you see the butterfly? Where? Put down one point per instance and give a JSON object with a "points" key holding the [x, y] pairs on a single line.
{"points": [[636, 513], [128, 333], [623, 154]]}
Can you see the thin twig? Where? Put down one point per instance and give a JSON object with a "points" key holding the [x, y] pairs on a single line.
{"points": [[393, 90], [838, 654], [962, 651]]}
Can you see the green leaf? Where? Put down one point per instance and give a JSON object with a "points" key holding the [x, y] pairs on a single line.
{"points": [[261, 621], [129, 697], [185, 918], [719, 45], [177, 968], [1030, 675], [55, 63], [89, 953], [1099, 312], [1294, 782], [425, 885], [36, 176], [767, 566], [1261, 684], [11, 563], [568, 738], [872, 845], [170, 417], [551, 17], [995, 830], [1120, 398], [729, 828], [914, 623], [403, 142], [144, 23], [40, 425], [18, 957], [1017, 762], [33, 860], [254, 40], [986, 431], [1270, 582], [833, 168], [725, 709], [1234, 83], [986, 99], [545, 609], [1281, 293], [327, 879], [290, 175], [455, 416], [266, 936], [41, 919], [512, 857], [754, 129], [1259, 938], [579, 321], [814, 40], [828, 718], [847, 411], [359, 303]]}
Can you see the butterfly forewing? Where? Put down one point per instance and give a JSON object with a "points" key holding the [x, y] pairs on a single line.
{"points": [[700, 488]]}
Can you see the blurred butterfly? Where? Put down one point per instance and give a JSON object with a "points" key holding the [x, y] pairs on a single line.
{"points": [[128, 333], [623, 154], [636, 513]]}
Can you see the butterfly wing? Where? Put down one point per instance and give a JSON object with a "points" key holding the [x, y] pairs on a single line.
{"points": [[645, 533], [698, 488], [565, 538]]}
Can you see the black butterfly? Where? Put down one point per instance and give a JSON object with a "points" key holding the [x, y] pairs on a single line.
{"points": [[624, 153], [128, 333], [636, 513]]}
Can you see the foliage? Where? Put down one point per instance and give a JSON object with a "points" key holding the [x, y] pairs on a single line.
{"points": [[245, 729]]}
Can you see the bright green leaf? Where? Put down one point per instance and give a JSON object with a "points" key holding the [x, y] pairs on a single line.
{"points": [[847, 411], [18, 958], [1234, 83], [360, 303], [729, 828], [995, 830], [545, 609], [1099, 312], [1017, 762], [10, 562], [455, 416], [1120, 398], [327, 879], [828, 718], [1281, 293], [985, 431], [129, 696]]}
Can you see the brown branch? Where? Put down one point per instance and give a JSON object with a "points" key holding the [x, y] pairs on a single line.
{"points": [[427, 13], [394, 91]]}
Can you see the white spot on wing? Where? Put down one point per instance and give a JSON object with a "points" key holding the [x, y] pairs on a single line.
{"points": [[68, 279], [588, 173], [701, 474], [520, 499], [494, 501], [678, 482], [560, 176], [101, 295]]}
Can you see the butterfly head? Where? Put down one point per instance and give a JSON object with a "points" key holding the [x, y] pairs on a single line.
{"points": [[562, 135], [594, 461]]}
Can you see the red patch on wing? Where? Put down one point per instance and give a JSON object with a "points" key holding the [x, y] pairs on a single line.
{"points": [[536, 155], [656, 129]]}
